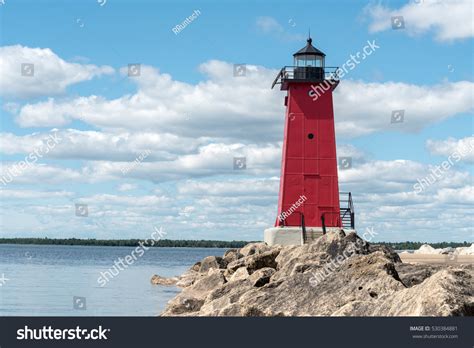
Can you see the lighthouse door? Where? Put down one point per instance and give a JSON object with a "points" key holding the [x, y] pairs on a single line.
{"points": [[311, 192]]}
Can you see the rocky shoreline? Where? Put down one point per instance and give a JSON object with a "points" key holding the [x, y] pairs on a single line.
{"points": [[337, 275]]}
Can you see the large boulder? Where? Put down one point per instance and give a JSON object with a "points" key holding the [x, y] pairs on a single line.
{"points": [[413, 274], [337, 275], [254, 248], [446, 293], [239, 274], [389, 252], [192, 297], [232, 255], [261, 277], [255, 261], [209, 262]]}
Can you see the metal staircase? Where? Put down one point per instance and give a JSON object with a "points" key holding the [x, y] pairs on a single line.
{"points": [[347, 216], [347, 210]]}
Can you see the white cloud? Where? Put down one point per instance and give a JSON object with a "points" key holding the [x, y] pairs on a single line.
{"points": [[214, 108], [170, 157], [210, 160], [388, 177], [348, 150], [241, 207], [50, 75], [364, 108], [463, 147], [33, 194], [95, 145], [233, 188], [12, 173], [210, 108], [448, 19], [126, 187], [463, 196], [128, 201]]}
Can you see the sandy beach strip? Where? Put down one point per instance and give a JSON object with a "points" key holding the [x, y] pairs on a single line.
{"points": [[436, 258]]}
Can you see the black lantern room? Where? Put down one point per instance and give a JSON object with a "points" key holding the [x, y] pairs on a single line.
{"points": [[309, 66], [309, 56], [309, 62]]}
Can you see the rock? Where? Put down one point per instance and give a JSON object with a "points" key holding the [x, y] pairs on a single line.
{"points": [[196, 266], [263, 260], [239, 274], [337, 275], [211, 262], [387, 251], [446, 293], [413, 274], [192, 297], [255, 261], [232, 255], [183, 305], [224, 299], [200, 269], [158, 280], [326, 249], [254, 248], [188, 278], [184, 282], [261, 277], [360, 278]]}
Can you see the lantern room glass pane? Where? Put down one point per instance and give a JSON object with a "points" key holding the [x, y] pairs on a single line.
{"points": [[309, 60]]}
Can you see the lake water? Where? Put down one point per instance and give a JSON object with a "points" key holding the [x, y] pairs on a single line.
{"points": [[42, 280]]}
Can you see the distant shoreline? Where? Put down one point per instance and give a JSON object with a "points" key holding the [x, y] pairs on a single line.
{"points": [[195, 243], [163, 243]]}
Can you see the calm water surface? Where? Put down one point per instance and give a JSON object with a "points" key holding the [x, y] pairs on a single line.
{"points": [[43, 279]]}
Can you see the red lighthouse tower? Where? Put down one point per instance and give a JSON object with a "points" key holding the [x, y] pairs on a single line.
{"points": [[309, 199]]}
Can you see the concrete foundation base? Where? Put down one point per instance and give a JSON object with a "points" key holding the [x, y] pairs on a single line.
{"points": [[294, 235]]}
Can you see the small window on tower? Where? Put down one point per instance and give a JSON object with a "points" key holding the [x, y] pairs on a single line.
{"points": [[310, 136]]}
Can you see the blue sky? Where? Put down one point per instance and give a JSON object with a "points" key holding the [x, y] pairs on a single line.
{"points": [[194, 116]]}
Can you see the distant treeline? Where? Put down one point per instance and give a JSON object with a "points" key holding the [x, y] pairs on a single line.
{"points": [[128, 242], [195, 243], [417, 245]]}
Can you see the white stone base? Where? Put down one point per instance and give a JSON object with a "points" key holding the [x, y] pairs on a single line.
{"points": [[294, 235]]}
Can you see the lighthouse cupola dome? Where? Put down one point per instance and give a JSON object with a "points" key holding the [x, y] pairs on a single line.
{"points": [[309, 56]]}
